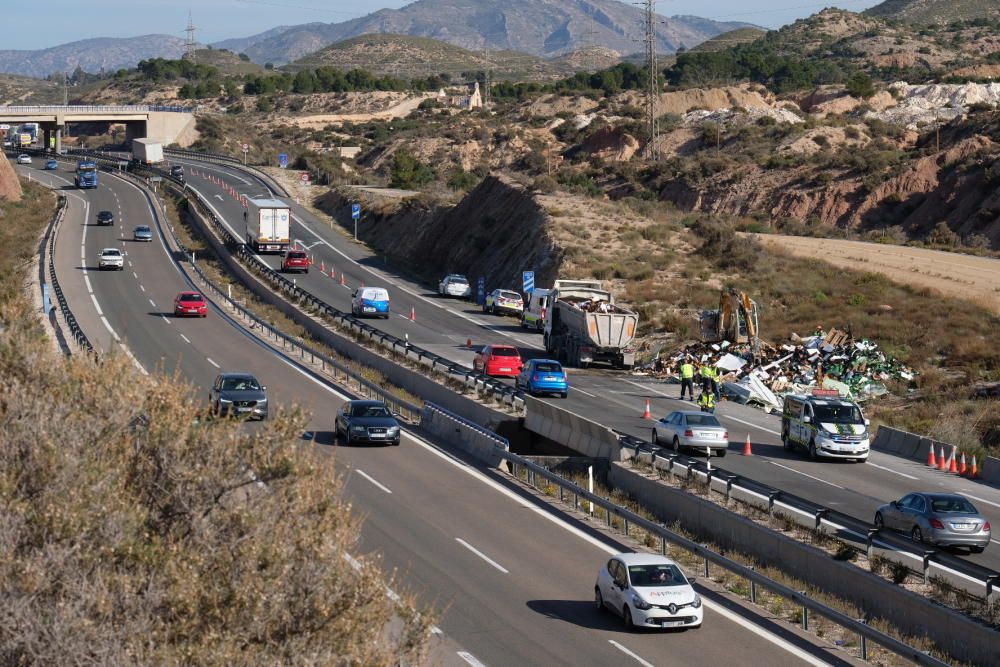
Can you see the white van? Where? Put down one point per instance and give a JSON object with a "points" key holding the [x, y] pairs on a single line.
{"points": [[370, 302], [825, 425], [533, 316]]}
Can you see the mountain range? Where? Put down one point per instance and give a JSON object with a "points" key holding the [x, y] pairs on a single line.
{"points": [[91, 55]]}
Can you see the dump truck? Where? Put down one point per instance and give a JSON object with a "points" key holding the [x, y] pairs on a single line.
{"points": [[583, 325], [147, 151], [267, 223]]}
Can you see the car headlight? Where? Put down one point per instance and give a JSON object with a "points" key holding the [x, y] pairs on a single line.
{"points": [[639, 603], [358, 429], [697, 601], [225, 400], [263, 400], [393, 429]]}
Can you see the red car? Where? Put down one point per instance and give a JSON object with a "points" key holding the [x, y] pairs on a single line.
{"points": [[295, 260], [190, 303], [498, 360]]}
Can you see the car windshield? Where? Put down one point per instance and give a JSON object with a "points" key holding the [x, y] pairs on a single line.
{"points": [[459, 280], [952, 506], [510, 295], [142, 229], [191, 297], [104, 214], [504, 352], [298, 254], [838, 414], [370, 411], [702, 420], [654, 576], [240, 384], [375, 294], [111, 252], [548, 367]]}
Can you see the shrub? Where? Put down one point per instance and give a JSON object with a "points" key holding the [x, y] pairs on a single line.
{"points": [[408, 172]]}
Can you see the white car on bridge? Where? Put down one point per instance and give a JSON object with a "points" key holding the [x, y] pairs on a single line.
{"points": [[647, 591]]}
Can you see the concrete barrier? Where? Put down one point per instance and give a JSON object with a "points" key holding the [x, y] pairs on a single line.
{"points": [[571, 430], [912, 446], [482, 444], [959, 636]]}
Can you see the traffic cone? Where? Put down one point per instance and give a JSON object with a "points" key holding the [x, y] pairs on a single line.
{"points": [[952, 463], [342, 279], [747, 450], [468, 344], [942, 461], [931, 459], [973, 471], [413, 314], [322, 267], [962, 468], [647, 414]]}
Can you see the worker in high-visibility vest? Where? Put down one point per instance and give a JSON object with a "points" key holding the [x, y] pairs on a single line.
{"points": [[706, 401], [710, 378], [687, 378]]}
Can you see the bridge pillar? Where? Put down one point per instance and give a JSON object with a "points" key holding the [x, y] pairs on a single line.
{"points": [[58, 141], [45, 139], [135, 129]]}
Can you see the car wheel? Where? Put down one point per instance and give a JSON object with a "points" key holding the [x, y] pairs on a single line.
{"points": [[785, 442], [565, 394], [976, 550], [627, 618], [721, 453], [812, 451], [677, 445], [598, 599], [879, 521], [656, 439], [916, 535]]}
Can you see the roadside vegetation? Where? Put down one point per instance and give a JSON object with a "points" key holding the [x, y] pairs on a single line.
{"points": [[139, 531]]}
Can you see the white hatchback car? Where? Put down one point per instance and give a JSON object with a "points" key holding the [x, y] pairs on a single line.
{"points": [[24, 158], [455, 285], [647, 591], [111, 258]]}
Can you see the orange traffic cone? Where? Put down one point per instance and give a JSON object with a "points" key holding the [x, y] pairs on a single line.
{"points": [[747, 450], [942, 461], [413, 314], [333, 274], [468, 343], [952, 463], [962, 467], [973, 471], [342, 279], [931, 459], [322, 266], [647, 414]]}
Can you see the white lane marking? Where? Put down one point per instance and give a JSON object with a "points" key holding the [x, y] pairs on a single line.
{"points": [[983, 500], [482, 555], [209, 360], [152, 304], [142, 288], [96, 305], [186, 339], [805, 474], [541, 512], [135, 275], [164, 318], [130, 264], [644, 663], [86, 281], [469, 658], [373, 480], [587, 393], [894, 472], [994, 541]]}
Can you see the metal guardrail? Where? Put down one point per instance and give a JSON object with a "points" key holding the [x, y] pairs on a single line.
{"points": [[229, 160], [74, 326], [497, 439], [917, 559], [86, 108], [756, 579]]}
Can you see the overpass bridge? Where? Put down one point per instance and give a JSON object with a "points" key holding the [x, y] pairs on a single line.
{"points": [[162, 123]]}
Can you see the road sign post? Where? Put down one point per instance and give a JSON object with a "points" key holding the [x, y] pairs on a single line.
{"points": [[283, 160], [246, 149], [356, 215], [481, 291], [528, 281]]}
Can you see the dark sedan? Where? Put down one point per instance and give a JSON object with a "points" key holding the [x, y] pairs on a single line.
{"points": [[368, 422], [239, 394]]}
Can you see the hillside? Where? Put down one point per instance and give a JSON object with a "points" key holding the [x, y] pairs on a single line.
{"points": [[227, 62], [936, 11], [729, 39], [540, 28], [16, 90], [92, 55], [419, 57]]}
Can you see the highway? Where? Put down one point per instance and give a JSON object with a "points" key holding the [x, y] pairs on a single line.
{"points": [[514, 580], [444, 325]]}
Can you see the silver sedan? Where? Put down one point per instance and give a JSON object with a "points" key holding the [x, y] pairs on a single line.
{"points": [[690, 429], [943, 519]]}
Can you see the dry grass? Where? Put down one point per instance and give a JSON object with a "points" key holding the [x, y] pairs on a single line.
{"points": [[21, 224]]}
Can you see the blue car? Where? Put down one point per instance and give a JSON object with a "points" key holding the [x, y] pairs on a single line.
{"points": [[543, 376], [51, 164], [370, 302]]}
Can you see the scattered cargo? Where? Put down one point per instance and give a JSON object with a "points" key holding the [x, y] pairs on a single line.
{"points": [[584, 325]]}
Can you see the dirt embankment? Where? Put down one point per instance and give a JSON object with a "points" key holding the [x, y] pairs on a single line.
{"points": [[10, 187], [496, 231]]}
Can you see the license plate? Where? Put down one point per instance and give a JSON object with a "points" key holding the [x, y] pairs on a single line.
{"points": [[707, 434], [369, 309], [549, 378], [505, 369], [672, 624]]}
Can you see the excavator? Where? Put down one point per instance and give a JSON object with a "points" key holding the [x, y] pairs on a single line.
{"points": [[735, 320]]}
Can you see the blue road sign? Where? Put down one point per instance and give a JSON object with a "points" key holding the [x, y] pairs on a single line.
{"points": [[528, 281], [355, 211], [283, 160], [481, 291]]}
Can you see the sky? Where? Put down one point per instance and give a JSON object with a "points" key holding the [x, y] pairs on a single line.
{"points": [[70, 20]]}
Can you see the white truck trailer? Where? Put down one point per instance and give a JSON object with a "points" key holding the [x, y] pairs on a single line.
{"points": [[267, 225], [583, 325], [147, 151]]}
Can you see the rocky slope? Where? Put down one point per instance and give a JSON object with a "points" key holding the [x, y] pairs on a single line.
{"points": [[935, 11], [10, 187], [92, 55]]}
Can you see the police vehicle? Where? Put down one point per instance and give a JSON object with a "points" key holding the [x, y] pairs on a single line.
{"points": [[825, 425]]}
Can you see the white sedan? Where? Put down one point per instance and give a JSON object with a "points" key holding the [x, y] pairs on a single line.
{"points": [[455, 285], [647, 591], [24, 158], [111, 258]]}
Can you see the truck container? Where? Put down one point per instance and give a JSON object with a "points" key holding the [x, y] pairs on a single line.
{"points": [[583, 325], [147, 151], [267, 223], [86, 174]]}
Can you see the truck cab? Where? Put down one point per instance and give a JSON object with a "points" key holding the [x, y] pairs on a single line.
{"points": [[825, 425], [535, 310]]}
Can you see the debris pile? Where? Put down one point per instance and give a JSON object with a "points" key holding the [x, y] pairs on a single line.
{"points": [[762, 374], [593, 305]]}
